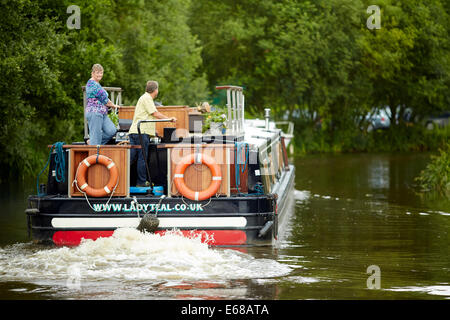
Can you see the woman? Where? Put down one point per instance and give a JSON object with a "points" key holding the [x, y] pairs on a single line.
{"points": [[101, 128]]}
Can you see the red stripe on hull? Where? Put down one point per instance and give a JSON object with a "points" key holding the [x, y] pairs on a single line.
{"points": [[73, 238], [210, 237], [216, 237]]}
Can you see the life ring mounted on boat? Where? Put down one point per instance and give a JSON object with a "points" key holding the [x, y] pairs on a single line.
{"points": [[80, 177], [215, 181]]}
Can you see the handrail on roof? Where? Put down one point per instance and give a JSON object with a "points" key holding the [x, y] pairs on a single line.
{"points": [[235, 108]]}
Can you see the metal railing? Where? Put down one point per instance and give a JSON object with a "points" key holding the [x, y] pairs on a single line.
{"points": [[235, 108], [290, 128]]}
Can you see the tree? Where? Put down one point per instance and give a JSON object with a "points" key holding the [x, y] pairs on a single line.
{"points": [[29, 78], [407, 60], [44, 64], [157, 44], [289, 55]]}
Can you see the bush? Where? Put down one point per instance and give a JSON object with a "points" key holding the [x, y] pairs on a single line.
{"points": [[436, 176]]}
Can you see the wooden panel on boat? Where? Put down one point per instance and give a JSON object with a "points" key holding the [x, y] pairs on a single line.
{"points": [[198, 176], [279, 157], [181, 113], [243, 176], [284, 154], [273, 165], [126, 112], [265, 176], [98, 175]]}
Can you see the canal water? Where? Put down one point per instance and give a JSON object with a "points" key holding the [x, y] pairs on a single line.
{"points": [[358, 230]]}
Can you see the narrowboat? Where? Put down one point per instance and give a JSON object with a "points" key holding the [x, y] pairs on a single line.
{"points": [[231, 186]]}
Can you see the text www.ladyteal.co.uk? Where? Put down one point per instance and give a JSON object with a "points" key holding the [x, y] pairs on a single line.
{"points": [[147, 207]]}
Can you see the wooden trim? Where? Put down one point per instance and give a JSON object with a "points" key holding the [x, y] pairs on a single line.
{"points": [[169, 174], [198, 177], [128, 155], [228, 173], [89, 146], [98, 175], [229, 87], [190, 145], [70, 175], [285, 156], [117, 89], [179, 112], [243, 176]]}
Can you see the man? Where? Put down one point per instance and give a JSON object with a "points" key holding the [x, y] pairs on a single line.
{"points": [[145, 110]]}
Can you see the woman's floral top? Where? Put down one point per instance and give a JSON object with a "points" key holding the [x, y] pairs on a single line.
{"points": [[97, 97]]}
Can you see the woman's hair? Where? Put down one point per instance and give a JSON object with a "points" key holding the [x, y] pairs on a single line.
{"points": [[97, 67], [151, 86]]}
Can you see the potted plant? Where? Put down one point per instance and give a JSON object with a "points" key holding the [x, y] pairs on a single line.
{"points": [[215, 121]]}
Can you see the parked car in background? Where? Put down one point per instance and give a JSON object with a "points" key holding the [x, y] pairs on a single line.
{"points": [[378, 119], [439, 121]]}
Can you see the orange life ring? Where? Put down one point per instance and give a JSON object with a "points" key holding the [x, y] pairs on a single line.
{"points": [[185, 190], [82, 170]]}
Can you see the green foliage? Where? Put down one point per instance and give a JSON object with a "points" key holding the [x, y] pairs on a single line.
{"points": [[216, 116], [319, 65], [32, 94], [156, 44], [114, 118], [436, 176], [43, 66], [407, 60], [404, 138], [313, 62]]}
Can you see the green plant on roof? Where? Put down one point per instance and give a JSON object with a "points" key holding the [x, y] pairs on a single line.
{"points": [[216, 116]]}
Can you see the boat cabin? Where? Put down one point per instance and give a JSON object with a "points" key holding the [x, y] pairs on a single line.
{"points": [[250, 158]]}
